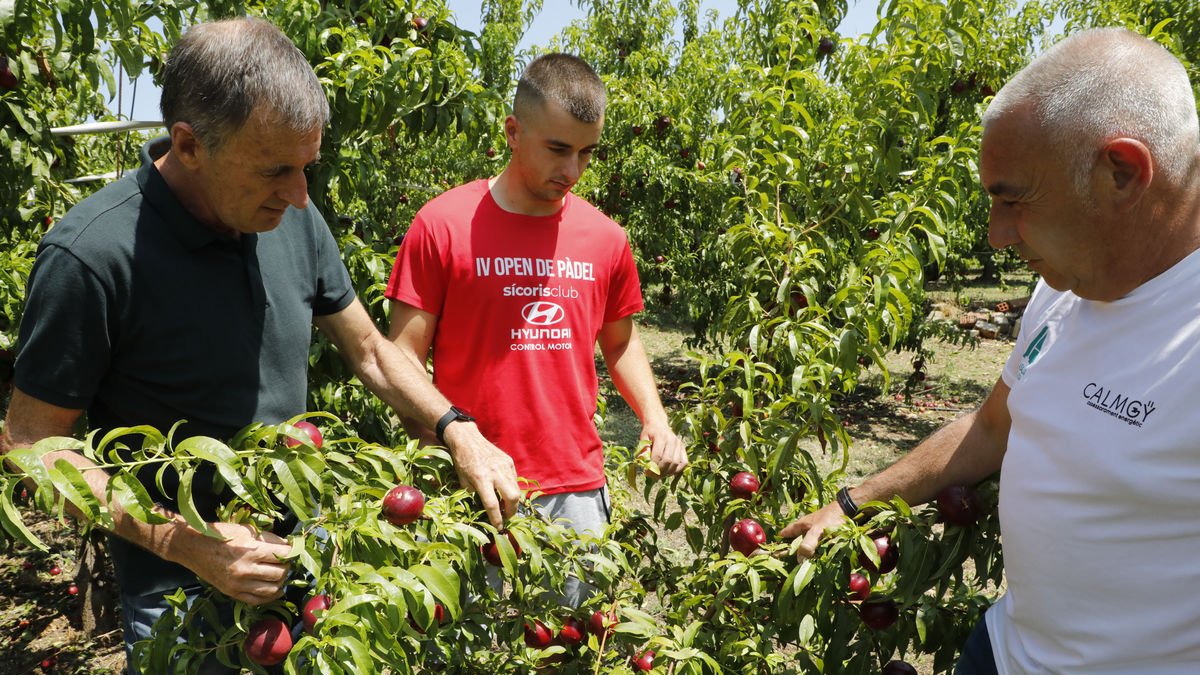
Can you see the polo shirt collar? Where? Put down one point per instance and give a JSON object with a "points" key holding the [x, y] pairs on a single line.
{"points": [[190, 231]]}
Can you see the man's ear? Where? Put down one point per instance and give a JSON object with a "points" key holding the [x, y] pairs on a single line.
{"points": [[1127, 168], [512, 129], [185, 146]]}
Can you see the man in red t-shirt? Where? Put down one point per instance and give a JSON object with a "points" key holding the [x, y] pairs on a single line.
{"points": [[513, 281]]}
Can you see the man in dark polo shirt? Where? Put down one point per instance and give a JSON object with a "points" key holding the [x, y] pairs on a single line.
{"points": [[187, 291]]}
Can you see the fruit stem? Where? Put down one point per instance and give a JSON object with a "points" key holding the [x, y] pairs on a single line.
{"points": [[612, 611]]}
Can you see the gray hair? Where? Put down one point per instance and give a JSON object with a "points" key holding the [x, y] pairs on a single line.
{"points": [[1103, 83], [568, 81], [221, 73]]}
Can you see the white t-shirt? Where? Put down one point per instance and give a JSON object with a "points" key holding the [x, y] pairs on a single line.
{"points": [[1100, 487]]}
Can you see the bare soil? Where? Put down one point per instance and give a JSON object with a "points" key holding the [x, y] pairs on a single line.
{"points": [[40, 620]]}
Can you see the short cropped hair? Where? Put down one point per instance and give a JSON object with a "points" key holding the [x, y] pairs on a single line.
{"points": [[221, 73], [1103, 83], [564, 79]]}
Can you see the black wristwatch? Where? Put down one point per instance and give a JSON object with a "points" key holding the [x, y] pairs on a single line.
{"points": [[454, 414], [847, 503]]}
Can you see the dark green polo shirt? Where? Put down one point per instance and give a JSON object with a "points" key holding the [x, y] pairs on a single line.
{"points": [[140, 314]]}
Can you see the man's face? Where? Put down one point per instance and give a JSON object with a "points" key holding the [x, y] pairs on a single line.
{"points": [[251, 180], [1037, 210], [550, 151]]}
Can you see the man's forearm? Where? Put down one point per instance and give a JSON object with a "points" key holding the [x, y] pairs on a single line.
{"points": [[964, 451], [402, 383], [634, 379], [161, 539], [29, 421]]}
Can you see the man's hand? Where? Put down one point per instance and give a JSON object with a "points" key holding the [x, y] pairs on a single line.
{"points": [[247, 566], [486, 469], [481, 466], [812, 526], [630, 370], [966, 451], [666, 449]]}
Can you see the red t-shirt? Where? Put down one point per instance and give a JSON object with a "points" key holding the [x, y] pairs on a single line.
{"points": [[520, 302]]}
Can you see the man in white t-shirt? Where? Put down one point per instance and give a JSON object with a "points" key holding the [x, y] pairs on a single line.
{"points": [[1091, 155]]}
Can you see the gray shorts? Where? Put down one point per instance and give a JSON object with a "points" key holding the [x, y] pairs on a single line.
{"points": [[587, 512]]}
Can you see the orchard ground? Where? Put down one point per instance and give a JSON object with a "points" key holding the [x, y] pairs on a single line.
{"points": [[40, 618]]}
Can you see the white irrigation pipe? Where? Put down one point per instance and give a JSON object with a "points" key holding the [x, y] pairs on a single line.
{"points": [[100, 176], [104, 127]]}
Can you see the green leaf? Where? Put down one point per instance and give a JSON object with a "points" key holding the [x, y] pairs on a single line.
{"points": [[800, 577], [296, 498], [133, 498], [187, 507], [443, 582], [867, 545], [359, 652], [71, 484], [351, 601], [29, 461], [755, 583], [209, 450], [807, 630], [1158, 27], [151, 438], [11, 520], [308, 555]]}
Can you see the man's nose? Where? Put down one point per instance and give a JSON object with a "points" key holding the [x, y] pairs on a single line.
{"points": [[295, 191], [573, 168], [1002, 230]]}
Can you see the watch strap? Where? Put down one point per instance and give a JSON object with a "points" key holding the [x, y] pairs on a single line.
{"points": [[454, 414], [847, 503]]}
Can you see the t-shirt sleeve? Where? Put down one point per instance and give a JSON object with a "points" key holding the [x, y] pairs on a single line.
{"points": [[1029, 321], [334, 290], [65, 340], [419, 275], [625, 289]]}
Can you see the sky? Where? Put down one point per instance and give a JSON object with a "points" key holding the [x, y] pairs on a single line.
{"points": [[555, 15]]}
